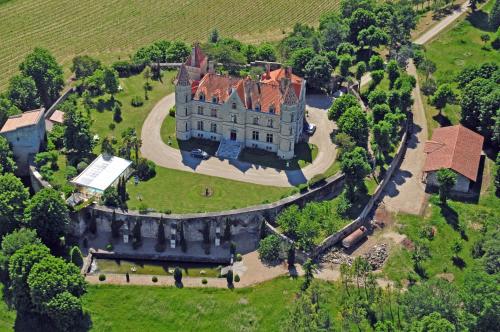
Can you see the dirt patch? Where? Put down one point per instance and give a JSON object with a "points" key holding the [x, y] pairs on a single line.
{"points": [[408, 244], [446, 276]]}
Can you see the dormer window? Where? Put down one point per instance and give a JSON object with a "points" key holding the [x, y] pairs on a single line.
{"points": [[256, 121], [233, 106], [215, 99], [257, 108], [272, 109], [202, 97]]}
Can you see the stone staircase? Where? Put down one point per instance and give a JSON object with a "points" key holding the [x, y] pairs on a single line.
{"points": [[228, 149]]}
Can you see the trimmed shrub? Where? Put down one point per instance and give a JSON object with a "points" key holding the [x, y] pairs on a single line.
{"points": [[109, 247], [102, 277], [81, 166], [171, 111], [204, 281], [178, 275], [270, 248], [146, 169], [229, 277], [316, 180], [236, 278], [137, 101], [154, 279], [239, 258]]}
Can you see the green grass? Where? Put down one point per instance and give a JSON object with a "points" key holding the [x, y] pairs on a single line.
{"points": [[183, 192], [260, 308], [7, 316], [463, 45], [470, 214], [113, 30], [156, 268], [132, 116]]}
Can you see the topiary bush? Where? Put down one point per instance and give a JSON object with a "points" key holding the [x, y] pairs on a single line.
{"points": [[204, 281], [178, 275], [229, 277], [236, 278], [171, 112], [109, 247], [102, 277], [270, 248], [239, 258], [154, 279], [137, 101]]}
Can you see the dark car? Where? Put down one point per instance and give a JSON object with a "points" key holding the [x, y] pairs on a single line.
{"points": [[199, 153], [310, 128]]}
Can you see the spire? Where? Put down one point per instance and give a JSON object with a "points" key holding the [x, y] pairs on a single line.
{"points": [[183, 76], [290, 96]]}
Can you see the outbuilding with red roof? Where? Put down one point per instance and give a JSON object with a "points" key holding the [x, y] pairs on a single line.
{"points": [[456, 148]]}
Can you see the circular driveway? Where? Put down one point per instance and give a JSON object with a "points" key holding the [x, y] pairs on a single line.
{"points": [[154, 149]]}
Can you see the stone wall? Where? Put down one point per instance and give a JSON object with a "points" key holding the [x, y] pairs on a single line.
{"points": [[245, 223], [56, 104], [37, 181]]}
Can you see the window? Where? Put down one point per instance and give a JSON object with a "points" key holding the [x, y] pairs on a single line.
{"points": [[272, 109], [270, 123], [233, 106], [233, 118], [200, 110], [291, 131], [186, 98], [291, 118], [202, 97], [200, 125], [214, 99], [269, 138], [186, 126], [257, 108], [213, 127], [256, 121], [255, 135], [213, 113]]}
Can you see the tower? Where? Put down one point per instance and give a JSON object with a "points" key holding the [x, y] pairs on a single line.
{"points": [[182, 104], [288, 121]]}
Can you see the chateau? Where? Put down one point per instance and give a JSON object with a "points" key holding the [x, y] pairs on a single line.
{"points": [[266, 114]]}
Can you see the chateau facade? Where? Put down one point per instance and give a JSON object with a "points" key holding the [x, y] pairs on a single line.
{"points": [[266, 114]]}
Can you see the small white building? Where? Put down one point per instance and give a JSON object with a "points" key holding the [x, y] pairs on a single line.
{"points": [[457, 148], [26, 133], [102, 173]]}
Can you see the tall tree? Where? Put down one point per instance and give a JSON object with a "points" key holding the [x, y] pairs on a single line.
{"points": [[7, 108], [7, 163], [443, 95], [342, 104], [355, 166], [47, 213], [13, 199], [111, 81], [494, 16], [318, 71], [354, 123], [22, 92], [46, 72], [446, 180], [78, 139], [84, 66], [372, 37]]}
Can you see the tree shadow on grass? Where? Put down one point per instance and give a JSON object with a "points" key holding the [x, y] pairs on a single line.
{"points": [[29, 322], [479, 20], [459, 262], [450, 215], [443, 120]]}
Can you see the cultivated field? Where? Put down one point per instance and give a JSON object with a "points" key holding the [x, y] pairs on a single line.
{"points": [[114, 28]]}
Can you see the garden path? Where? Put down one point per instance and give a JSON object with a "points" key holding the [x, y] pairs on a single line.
{"points": [[153, 148]]}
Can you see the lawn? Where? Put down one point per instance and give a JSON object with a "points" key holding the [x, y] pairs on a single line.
{"points": [[260, 308], [463, 45], [443, 219], [183, 192], [131, 116], [110, 30], [7, 316]]}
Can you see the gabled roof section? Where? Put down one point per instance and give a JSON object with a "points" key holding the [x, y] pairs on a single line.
{"points": [[454, 147], [25, 119], [183, 76], [290, 96]]}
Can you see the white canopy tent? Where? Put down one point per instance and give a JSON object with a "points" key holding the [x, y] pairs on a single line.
{"points": [[102, 173]]}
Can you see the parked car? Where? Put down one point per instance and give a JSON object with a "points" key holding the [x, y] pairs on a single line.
{"points": [[310, 128], [199, 153]]}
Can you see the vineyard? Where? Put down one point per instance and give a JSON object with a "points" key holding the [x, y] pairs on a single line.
{"points": [[115, 28]]}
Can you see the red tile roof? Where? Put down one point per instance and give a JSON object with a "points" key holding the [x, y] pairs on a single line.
{"points": [[25, 119], [454, 147], [264, 94], [57, 117]]}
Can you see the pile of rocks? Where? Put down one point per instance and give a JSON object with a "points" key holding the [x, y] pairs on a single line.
{"points": [[377, 256], [336, 256]]}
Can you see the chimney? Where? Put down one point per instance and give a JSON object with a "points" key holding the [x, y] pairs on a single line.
{"points": [[288, 72], [211, 69], [193, 55], [268, 71], [248, 92], [284, 83]]}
